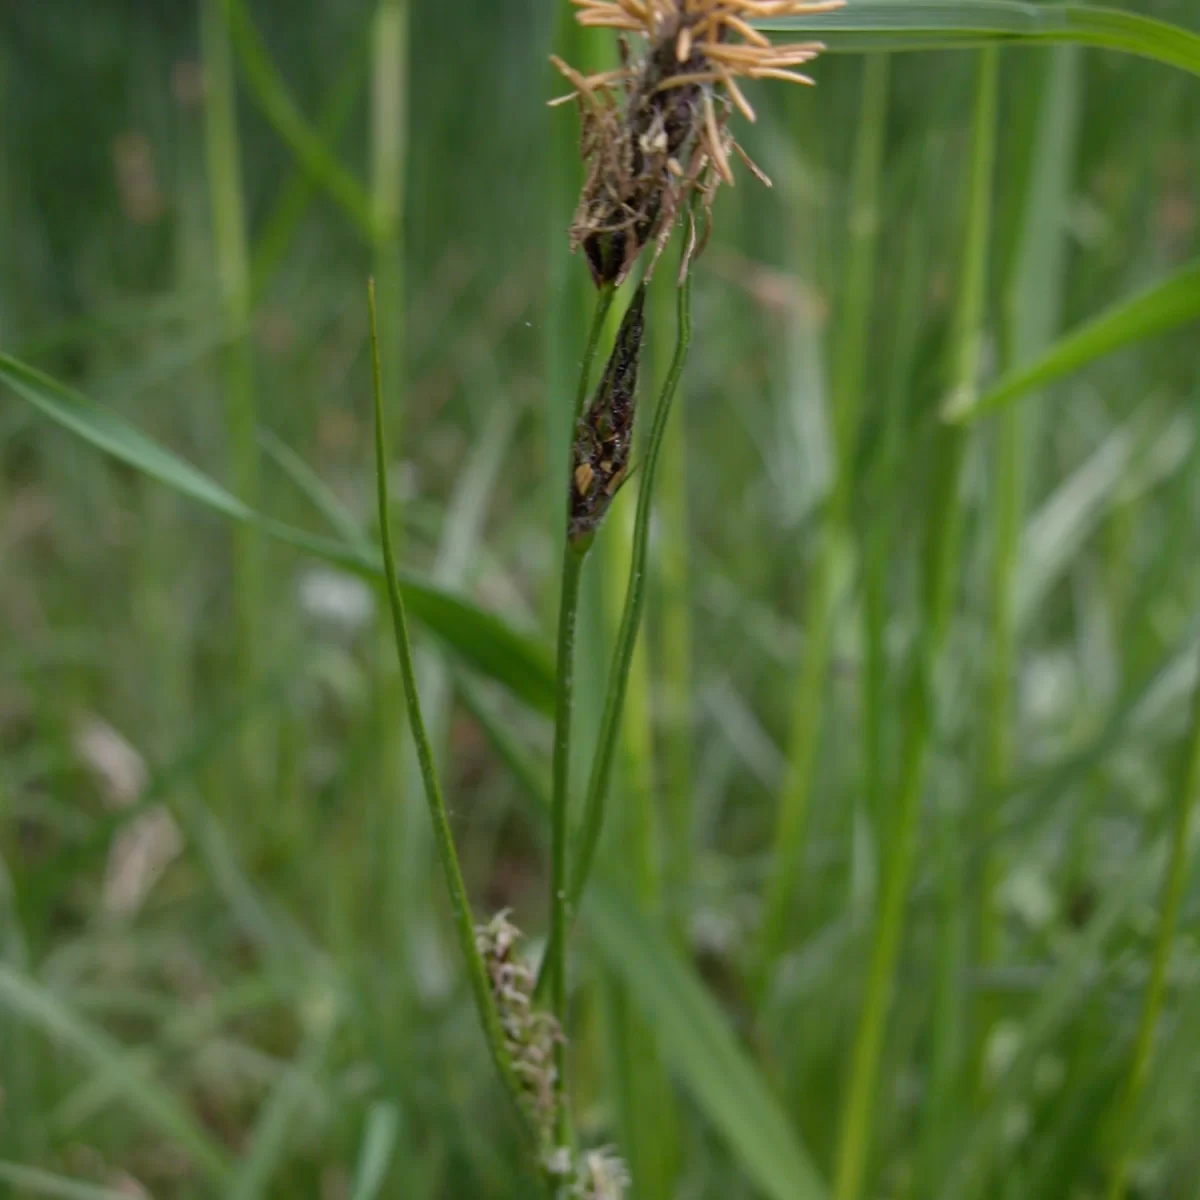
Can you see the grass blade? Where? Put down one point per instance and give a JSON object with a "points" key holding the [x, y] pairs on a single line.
{"points": [[1173, 302], [158, 1107], [464, 926], [37, 1182], [272, 96], [961, 24], [227, 202], [940, 570], [1186, 791], [318, 493], [268, 1141], [822, 600], [1073, 982], [487, 643], [696, 1040], [1038, 269], [379, 1143]]}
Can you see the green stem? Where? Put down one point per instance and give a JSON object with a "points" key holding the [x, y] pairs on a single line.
{"points": [[1033, 303], [233, 270], [559, 801], [675, 629], [554, 963], [270, 93], [481, 991], [941, 569], [401, 876], [635, 597], [849, 367], [1186, 791]]}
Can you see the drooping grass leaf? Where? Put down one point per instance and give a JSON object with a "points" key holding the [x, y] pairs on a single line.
{"points": [[157, 1106], [1167, 305], [697, 1043], [484, 641], [869, 25]]}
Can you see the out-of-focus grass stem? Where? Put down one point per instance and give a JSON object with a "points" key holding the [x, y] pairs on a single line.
{"points": [[1032, 304], [389, 142], [233, 270], [675, 626], [849, 375], [940, 572], [1187, 788]]}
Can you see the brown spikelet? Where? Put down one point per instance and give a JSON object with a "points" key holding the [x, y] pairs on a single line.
{"points": [[654, 133], [604, 433]]}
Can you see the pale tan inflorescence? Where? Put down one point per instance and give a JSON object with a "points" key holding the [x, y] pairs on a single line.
{"points": [[654, 130]]}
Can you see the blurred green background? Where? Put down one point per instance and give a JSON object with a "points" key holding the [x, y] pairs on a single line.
{"points": [[225, 965]]}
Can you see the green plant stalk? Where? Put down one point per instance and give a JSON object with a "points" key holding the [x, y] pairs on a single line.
{"points": [[460, 906], [675, 633], [635, 597], [1032, 309], [554, 967], [849, 375], [940, 574], [295, 197], [638, 818], [271, 95], [233, 270], [401, 878], [1187, 789]]}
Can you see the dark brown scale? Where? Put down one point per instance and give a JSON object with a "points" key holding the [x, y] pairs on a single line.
{"points": [[604, 434]]}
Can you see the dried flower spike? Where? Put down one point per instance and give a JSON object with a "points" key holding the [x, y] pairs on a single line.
{"points": [[604, 434], [530, 1034], [654, 131]]}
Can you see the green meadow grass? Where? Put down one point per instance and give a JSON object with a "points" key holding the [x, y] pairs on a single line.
{"points": [[891, 896]]}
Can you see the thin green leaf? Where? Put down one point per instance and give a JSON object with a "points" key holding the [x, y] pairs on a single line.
{"points": [[271, 95], [379, 1143], [1072, 984], [460, 904], [1173, 302], [696, 1041], [484, 641], [960, 24], [36, 1182], [318, 493], [268, 1143], [39, 1007]]}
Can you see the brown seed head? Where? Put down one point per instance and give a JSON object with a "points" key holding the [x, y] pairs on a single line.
{"points": [[654, 132]]}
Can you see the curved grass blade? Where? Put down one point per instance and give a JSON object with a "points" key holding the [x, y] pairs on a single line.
{"points": [[1173, 302], [870, 25], [157, 1106], [272, 97], [314, 489], [484, 641], [1072, 984], [379, 1143], [269, 1140], [697, 1043], [33, 1181], [464, 927]]}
